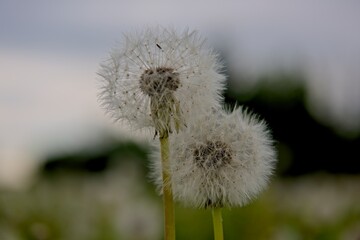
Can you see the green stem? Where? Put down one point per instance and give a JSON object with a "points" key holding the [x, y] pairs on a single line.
{"points": [[217, 222], [169, 215]]}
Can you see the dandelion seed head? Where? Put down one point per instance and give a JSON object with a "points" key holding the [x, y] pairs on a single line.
{"points": [[222, 159], [158, 78]]}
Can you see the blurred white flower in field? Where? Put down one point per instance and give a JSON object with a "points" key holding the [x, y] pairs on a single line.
{"points": [[221, 160], [76, 206], [139, 220], [160, 78], [323, 200]]}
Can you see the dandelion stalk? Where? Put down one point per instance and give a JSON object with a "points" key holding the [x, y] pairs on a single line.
{"points": [[169, 215], [217, 223]]}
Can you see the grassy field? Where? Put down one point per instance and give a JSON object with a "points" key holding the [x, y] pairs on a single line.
{"points": [[121, 204]]}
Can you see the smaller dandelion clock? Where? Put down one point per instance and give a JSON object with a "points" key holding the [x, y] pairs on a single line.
{"points": [[223, 159]]}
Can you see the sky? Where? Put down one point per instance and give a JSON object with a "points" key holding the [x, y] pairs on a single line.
{"points": [[50, 53]]}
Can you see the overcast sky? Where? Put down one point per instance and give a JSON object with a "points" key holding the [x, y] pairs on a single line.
{"points": [[50, 51]]}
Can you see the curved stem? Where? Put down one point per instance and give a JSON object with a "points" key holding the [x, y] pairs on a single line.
{"points": [[217, 222], [169, 214]]}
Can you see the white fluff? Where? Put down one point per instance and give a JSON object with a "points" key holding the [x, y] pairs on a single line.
{"points": [[200, 83], [236, 158]]}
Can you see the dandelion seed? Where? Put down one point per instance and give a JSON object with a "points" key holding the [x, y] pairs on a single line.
{"points": [[221, 160], [160, 78]]}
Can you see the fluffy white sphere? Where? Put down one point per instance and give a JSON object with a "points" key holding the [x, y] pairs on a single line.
{"points": [[160, 78], [221, 160]]}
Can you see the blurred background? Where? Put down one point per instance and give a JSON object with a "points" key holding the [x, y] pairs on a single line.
{"points": [[68, 172]]}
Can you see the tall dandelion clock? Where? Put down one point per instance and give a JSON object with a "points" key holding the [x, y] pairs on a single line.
{"points": [[159, 78]]}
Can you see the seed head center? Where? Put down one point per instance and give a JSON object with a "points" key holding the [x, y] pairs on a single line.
{"points": [[214, 154], [156, 82]]}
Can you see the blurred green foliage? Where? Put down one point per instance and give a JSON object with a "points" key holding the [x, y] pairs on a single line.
{"points": [[113, 206]]}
